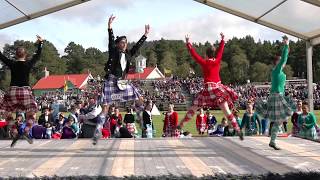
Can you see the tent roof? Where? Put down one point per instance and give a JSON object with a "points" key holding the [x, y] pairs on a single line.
{"points": [[17, 11], [299, 18]]}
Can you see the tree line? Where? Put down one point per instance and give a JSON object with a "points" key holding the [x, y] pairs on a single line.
{"points": [[243, 59]]}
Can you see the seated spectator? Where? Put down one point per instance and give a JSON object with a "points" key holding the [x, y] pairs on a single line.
{"points": [[129, 121], [220, 128], [116, 122], [306, 122], [38, 131], [124, 133], [212, 121], [67, 131]]}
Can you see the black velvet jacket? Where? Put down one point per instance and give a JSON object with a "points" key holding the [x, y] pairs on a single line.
{"points": [[113, 65]]}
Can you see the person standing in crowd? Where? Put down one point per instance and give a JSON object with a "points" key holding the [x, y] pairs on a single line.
{"points": [[170, 123], [19, 96], [201, 122], [294, 119], [214, 94], [251, 121], [89, 120], [147, 130], [278, 107], [306, 123]]}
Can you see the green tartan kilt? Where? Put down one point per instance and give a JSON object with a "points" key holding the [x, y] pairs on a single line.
{"points": [[309, 133], [277, 109]]}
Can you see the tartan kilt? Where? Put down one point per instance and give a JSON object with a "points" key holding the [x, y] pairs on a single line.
{"points": [[295, 131], [172, 132], [111, 92], [131, 127], [214, 94], [203, 127], [277, 109], [19, 98], [309, 133]]}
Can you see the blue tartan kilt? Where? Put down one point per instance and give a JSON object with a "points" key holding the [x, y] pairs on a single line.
{"points": [[111, 93], [277, 109]]}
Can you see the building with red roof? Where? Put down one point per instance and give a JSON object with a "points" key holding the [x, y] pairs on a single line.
{"points": [[148, 73], [51, 83]]}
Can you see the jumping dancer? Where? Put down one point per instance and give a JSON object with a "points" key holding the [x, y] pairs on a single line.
{"points": [[115, 88], [278, 107], [19, 96], [214, 93], [117, 67]]}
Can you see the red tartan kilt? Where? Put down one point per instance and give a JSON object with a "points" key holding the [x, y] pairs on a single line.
{"points": [[172, 132], [214, 94], [105, 133], [19, 98]]}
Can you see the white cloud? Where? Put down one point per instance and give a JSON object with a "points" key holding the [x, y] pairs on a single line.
{"points": [[208, 27], [5, 39], [92, 12]]}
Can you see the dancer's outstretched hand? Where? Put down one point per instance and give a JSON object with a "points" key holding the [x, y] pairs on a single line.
{"points": [[111, 18], [187, 38], [222, 36], [39, 39], [146, 29]]}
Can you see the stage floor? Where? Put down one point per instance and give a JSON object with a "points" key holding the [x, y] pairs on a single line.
{"points": [[153, 157]]}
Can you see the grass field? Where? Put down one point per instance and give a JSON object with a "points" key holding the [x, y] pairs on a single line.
{"points": [[191, 125]]}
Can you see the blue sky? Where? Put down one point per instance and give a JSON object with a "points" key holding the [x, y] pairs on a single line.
{"points": [[86, 24]]}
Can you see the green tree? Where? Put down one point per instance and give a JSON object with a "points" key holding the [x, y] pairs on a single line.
{"points": [[259, 72], [151, 59], [183, 70]]}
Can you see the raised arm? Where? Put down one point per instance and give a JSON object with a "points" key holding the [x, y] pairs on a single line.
{"points": [[5, 60], [37, 54], [112, 44], [220, 49], [137, 46], [193, 52], [284, 56]]}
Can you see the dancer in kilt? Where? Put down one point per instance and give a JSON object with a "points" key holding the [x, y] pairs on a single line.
{"points": [[214, 94], [117, 67], [170, 123], [115, 89], [278, 107], [19, 96]]}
